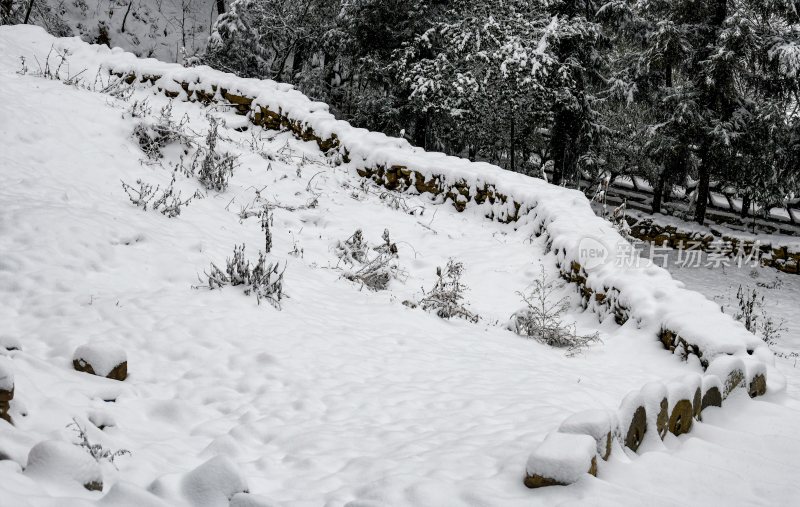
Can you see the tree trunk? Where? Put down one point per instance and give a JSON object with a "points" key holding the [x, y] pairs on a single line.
{"points": [[559, 146], [702, 192], [220, 7], [125, 17], [420, 130], [746, 203], [658, 191], [297, 65], [28, 12], [513, 161]]}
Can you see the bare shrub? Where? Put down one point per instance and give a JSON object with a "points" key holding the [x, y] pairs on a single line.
{"points": [[266, 227], [215, 168], [153, 135], [56, 67], [396, 201], [447, 295], [96, 451], [167, 201], [777, 283], [262, 279], [353, 250], [749, 306], [257, 145], [753, 314], [374, 272], [541, 318], [138, 109]]}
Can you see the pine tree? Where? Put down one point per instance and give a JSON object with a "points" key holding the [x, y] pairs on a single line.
{"points": [[579, 46], [480, 76], [718, 79]]}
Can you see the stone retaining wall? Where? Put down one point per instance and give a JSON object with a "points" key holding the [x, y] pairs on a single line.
{"points": [[780, 257]]}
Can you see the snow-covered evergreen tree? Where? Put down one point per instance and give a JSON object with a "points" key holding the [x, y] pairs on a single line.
{"points": [[719, 82], [480, 76]]}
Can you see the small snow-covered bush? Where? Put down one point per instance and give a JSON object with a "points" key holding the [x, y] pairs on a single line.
{"points": [[540, 319], [374, 273], [749, 304], [353, 250], [138, 109], [753, 314], [154, 134], [57, 461], [55, 67], [266, 227], [447, 295], [167, 201], [262, 279], [215, 168], [96, 451]]}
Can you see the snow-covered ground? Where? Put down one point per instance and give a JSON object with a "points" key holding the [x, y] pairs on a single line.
{"points": [[343, 396]]}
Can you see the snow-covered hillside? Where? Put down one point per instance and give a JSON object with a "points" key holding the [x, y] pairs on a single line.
{"points": [[342, 395], [169, 30]]}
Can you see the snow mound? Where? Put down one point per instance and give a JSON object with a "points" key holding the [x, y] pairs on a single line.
{"points": [[101, 419], [124, 494], [57, 461], [102, 357], [9, 342], [248, 500], [730, 370], [6, 378], [563, 457], [598, 423], [652, 395], [712, 392], [213, 483]]}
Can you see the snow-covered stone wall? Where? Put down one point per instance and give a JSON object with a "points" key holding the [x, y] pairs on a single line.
{"points": [[779, 252]]}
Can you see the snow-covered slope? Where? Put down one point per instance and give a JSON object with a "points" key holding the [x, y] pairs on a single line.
{"points": [[644, 293], [169, 30], [343, 396]]}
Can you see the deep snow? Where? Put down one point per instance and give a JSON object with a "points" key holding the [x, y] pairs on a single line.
{"points": [[344, 396]]}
